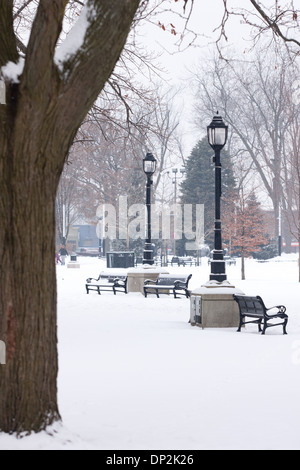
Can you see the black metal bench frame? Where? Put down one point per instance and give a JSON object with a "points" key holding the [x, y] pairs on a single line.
{"points": [[254, 307], [166, 283], [113, 283]]}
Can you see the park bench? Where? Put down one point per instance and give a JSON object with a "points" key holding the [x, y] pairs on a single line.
{"points": [[166, 283], [107, 282], [254, 308], [183, 261], [228, 260]]}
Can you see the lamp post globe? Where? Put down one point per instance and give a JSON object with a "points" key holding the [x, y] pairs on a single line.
{"points": [[149, 167], [217, 133]]}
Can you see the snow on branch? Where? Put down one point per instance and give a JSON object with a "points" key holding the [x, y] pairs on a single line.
{"points": [[75, 39], [12, 71]]}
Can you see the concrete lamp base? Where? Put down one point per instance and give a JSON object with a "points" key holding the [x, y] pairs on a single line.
{"points": [[138, 276], [213, 305], [73, 265]]}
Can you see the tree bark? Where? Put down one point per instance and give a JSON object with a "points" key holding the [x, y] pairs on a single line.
{"points": [[243, 273], [28, 309], [37, 125]]}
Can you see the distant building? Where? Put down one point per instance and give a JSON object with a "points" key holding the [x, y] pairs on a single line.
{"points": [[83, 238]]}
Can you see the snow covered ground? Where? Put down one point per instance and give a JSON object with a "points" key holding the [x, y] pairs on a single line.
{"points": [[135, 375]]}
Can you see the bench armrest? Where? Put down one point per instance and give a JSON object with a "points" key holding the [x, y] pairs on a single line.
{"points": [[183, 284], [119, 282], [90, 279], [281, 308], [180, 284], [149, 281]]}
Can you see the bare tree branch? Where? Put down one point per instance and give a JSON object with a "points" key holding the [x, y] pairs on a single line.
{"points": [[19, 11], [273, 23], [8, 49]]}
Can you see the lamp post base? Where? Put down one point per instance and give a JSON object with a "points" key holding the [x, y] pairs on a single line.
{"points": [[148, 254], [213, 306], [218, 267]]}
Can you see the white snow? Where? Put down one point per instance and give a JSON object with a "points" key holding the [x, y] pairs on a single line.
{"points": [[11, 71], [133, 373], [75, 38]]}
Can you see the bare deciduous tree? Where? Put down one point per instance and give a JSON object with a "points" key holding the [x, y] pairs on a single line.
{"points": [[106, 160], [291, 190], [51, 83], [46, 101], [281, 19], [252, 98]]}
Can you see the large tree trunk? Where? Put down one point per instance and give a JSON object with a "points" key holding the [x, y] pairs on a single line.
{"points": [[28, 300], [28, 398], [43, 111]]}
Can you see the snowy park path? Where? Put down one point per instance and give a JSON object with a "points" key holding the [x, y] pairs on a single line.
{"points": [[135, 375]]}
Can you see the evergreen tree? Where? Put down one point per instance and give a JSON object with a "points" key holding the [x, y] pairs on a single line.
{"points": [[199, 184]]}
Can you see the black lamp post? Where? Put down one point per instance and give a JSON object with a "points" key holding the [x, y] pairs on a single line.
{"points": [[177, 174], [100, 219], [149, 166], [217, 133]]}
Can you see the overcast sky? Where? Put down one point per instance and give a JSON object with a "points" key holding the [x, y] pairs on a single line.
{"points": [[205, 19]]}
